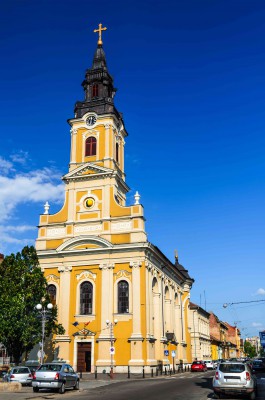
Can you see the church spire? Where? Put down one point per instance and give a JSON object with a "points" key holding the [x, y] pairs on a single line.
{"points": [[98, 85]]}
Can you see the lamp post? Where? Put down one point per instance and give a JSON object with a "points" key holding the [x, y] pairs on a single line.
{"points": [[112, 350], [44, 314]]}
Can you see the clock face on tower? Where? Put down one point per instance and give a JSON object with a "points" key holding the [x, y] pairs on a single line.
{"points": [[91, 120]]}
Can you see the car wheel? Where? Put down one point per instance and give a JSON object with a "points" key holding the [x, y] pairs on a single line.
{"points": [[76, 387], [62, 389], [35, 389]]}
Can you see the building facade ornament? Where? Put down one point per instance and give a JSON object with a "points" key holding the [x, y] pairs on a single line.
{"points": [[86, 275], [65, 268], [105, 266]]}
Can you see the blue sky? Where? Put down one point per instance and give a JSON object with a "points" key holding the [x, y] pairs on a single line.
{"points": [[190, 76]]}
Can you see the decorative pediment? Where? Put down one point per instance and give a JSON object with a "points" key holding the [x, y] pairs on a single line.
{"points": [[87, 170], [87, 242], [84, 332], [86, 275], [52, 278]]}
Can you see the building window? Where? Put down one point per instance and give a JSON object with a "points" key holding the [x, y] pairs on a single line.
{"points": [[117, 152], [123, 297], [91, 146], [94, 91], [52, 294], [86, 298]]}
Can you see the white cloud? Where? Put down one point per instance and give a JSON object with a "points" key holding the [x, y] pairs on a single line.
{"points": [[5, 166], [35, 186], [20, 157], [261, 291], [256, 324]]}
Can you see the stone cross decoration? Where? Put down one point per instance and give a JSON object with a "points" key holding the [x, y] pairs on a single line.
{"points": [[99, 30]]}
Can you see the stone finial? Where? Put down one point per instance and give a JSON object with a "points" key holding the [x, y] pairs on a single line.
{"points": [[137, 198], [46, 208], [176, 255]]}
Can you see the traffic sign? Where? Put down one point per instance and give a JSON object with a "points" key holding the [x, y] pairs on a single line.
{"points": [[173, 353], [112, 350], [166, 352]]}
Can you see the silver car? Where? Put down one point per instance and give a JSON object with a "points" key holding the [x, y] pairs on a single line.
{"points": [[19, 374], [234, 378], [55, 375]]}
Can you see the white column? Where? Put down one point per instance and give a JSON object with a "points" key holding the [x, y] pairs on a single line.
{"points": [[73, 146]]}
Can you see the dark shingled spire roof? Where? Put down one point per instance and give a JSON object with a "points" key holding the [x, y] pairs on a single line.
{"points": [[99, 60]]}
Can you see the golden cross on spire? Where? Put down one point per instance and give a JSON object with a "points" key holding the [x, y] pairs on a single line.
{"points": [[99, 30]]}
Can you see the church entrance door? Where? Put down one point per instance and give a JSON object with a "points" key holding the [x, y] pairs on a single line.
{"points": [[84, 357]]}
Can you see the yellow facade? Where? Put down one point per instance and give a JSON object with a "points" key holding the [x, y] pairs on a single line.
{"points": [[95, 253]]}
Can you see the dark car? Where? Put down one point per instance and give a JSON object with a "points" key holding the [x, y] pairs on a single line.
{"points": [[198, 366], [58, 376], [258, 366]]}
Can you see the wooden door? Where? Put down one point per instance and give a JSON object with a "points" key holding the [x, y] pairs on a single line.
{"points": [[84, 357]]}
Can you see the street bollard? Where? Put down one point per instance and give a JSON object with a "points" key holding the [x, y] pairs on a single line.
{"points": [[81, 374], [143, 372], [96, 373], [129, 375], [156, 371], [152, 373], [165, 371]]}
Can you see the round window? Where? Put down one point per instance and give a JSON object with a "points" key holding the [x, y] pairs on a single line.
{"points": [[89, 202]]}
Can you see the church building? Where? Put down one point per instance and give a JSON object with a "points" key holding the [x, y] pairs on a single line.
{"points": [[121, 301]]}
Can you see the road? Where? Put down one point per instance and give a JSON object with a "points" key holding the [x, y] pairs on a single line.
{"points": [[187, 386]]}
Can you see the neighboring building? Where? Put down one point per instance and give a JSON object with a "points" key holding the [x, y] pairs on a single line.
{"points": [[96, 257], [218, 334], [233, 344], [199, 332], [255, 341]]}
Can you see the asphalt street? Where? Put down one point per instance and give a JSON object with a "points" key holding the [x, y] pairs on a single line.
{"points": [[186, 386]]}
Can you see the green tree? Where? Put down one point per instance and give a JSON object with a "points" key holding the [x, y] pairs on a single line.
{"points": [[22, 286], [249, 349]]}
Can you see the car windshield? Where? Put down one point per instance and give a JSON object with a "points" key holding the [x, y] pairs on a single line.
{"points": [[20, 371], [197, 362], [50, 367], [233, 368]]}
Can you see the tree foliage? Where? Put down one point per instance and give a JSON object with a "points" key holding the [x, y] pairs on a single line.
{"points": [[249, 349], [22, 287]]}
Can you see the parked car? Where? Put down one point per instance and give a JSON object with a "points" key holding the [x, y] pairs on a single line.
{"points": [[19, 374], [198, 366], [234, 378], [209, 364], [58, 376]]}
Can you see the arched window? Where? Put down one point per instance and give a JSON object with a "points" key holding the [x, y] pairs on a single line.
{"points": [[86, 298], [117, 152], [52, 294], [91, 146], [95, 91], [123, 297]]}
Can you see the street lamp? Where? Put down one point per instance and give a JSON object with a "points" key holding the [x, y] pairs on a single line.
{"points": [[44, 313], [112, 350], [225, 305]]}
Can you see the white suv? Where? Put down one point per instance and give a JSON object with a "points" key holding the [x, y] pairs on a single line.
{"points": [[234, 378]]}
